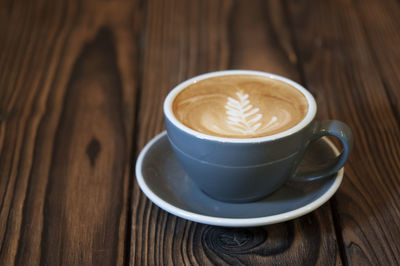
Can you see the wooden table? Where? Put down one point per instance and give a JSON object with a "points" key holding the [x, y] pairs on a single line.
{"points": [[81, 91]]}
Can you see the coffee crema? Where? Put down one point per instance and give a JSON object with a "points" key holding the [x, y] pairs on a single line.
{"points": [[240, 106]]}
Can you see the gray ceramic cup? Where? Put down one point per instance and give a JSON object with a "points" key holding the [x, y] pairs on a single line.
{"points": [[243, 170]]}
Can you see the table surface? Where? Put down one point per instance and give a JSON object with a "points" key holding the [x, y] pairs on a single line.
{"points": [[81, 91]]}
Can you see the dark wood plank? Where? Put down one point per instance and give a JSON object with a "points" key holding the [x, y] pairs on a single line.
{"points": [[67, 102], [343, 72], [381, 23], [177, 43], [186, 38]]}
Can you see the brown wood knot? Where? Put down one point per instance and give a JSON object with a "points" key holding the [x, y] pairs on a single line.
{"points": [[92, 150], [233, 240]]}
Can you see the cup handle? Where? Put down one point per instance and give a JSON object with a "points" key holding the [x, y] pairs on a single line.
{"points": [[329, 128]]}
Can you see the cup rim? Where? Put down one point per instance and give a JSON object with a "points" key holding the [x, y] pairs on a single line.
{"points": [[169, 114]]}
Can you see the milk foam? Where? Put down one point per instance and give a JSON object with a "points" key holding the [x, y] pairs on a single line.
{"points": [[240, 106]]}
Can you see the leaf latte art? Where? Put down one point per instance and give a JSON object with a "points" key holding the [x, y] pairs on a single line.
{"points": [[243, 117], [240, 106]]}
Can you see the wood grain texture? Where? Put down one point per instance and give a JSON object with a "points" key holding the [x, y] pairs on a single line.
{"points": [[181, 39], [341, 68], [67, 116], [380, 22], [81, 90], [184, 39]]}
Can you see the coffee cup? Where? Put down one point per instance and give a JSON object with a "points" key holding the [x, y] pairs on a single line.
{"points": [[241, 134]]}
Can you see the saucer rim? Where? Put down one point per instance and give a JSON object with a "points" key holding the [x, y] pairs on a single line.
{"points": [[232, 222]]}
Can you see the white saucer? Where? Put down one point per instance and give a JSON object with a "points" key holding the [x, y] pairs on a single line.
{"points": [[164, 182]]}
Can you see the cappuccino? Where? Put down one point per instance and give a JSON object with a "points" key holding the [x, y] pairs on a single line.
{"points": [[240, 106]]}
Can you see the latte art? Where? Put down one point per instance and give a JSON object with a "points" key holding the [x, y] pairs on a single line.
{"points": [[240, 106], [243, 118]]}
